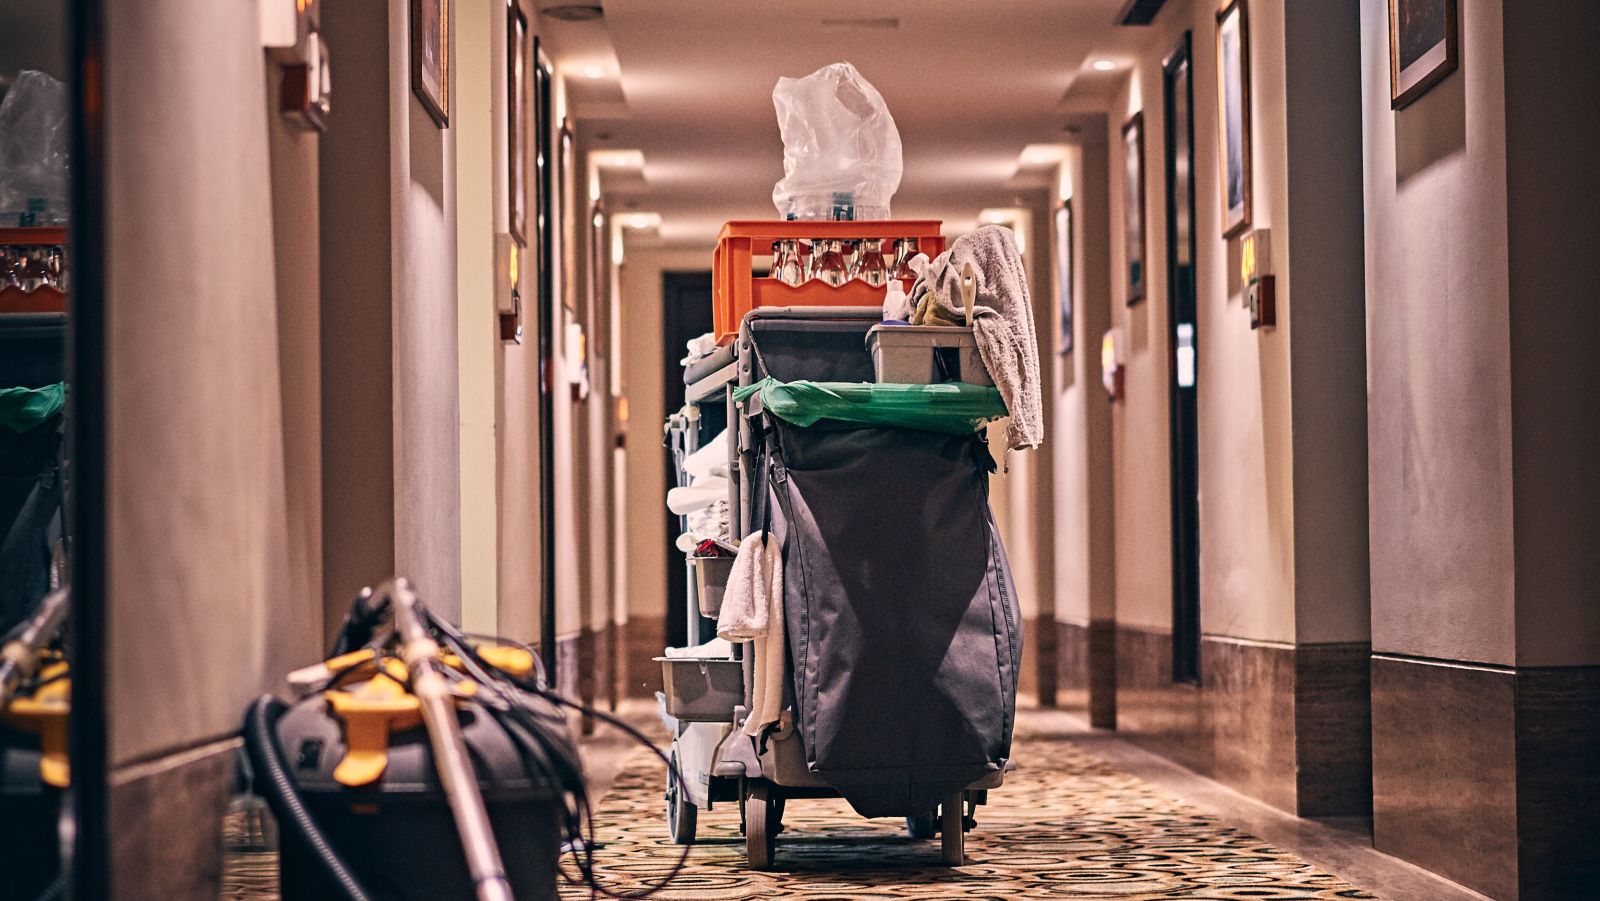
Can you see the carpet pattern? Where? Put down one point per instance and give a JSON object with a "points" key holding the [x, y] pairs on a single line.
{"points": [[1066, 825]]}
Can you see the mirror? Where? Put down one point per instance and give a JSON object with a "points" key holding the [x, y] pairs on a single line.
{"points": [[35, 282]]}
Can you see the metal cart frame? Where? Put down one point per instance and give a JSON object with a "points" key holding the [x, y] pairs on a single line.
{"points": [[717, 761]]}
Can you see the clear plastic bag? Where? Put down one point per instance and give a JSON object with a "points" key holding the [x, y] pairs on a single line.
{"points": [[33, 151], [841, 149]]}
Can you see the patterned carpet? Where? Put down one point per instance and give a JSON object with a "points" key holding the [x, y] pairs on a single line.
{"points": [[1066, 825]]}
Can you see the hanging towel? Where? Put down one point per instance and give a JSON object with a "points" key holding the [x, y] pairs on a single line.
{"points": [[1002, 321], [752, 610]]}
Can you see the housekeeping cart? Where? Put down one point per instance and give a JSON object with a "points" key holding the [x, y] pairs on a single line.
{"points": [[902, 625]]}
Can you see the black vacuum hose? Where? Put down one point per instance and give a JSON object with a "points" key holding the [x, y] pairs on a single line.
{"points": [[273, 780]]}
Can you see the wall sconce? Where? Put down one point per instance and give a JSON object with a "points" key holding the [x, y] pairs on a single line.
{"points": [[576, 353], [1260, 285], [291, 34], [1112, 359], [508, 287]]}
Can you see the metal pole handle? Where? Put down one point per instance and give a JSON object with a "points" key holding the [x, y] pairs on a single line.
{"points": [[421, 655]]}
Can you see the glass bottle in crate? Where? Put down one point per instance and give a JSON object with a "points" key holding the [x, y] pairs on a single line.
{"points": [[869, 264], [904, 250], [786, 266], [830, 267]]}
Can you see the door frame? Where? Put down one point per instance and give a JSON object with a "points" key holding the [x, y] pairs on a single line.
{"points": [[1183, 402]]}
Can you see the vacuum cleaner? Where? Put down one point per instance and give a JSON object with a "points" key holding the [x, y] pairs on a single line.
{"points": [[35, 699], [419, 763]]}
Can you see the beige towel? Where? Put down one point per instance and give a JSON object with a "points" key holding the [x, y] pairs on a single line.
{"points": [[1003, 322], [752, 611]]}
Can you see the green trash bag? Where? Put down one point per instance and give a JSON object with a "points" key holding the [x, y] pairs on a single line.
{"points": [[954, 408], [23, 409]]}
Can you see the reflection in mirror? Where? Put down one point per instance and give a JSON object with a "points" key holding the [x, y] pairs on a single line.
{"points": [[35, 280]]}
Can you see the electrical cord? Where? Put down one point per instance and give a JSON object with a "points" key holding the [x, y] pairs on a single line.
{"points": [[284, 797], [563, 768]]}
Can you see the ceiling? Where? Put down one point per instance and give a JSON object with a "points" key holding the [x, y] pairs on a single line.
{"points": [[689, 83]]}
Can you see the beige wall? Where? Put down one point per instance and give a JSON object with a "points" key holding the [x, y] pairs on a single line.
{"points": [[1555, 372], [480, 213], [391, 467], [1081, 426], [1281, 452], [1439, 356], [201, 607], [1328, 358], [427, 481], [1480, 276]]}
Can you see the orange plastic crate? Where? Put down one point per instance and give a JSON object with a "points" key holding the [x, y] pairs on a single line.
{"points": [[736, 290]]}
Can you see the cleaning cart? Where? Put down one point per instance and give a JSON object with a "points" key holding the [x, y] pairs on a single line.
{"points": [[902, 627]]}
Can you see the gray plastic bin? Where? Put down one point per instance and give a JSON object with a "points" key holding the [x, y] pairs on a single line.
{"points": [[926, 355], [701, 690], [711, 580]]}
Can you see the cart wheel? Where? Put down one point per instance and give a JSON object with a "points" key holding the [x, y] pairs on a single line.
{"points": [[681, 812], [923, 825], [951, 852], [761, 825]]}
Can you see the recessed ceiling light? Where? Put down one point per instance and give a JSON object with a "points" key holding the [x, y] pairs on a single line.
{"points": [[1103, 65], [593, 72], [642, 220], [575, 12]]}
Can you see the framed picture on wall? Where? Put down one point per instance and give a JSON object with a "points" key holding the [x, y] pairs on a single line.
{"points": [[1423, 47], [1233, 132], [542, 215], [430, 57], [566, 167], [1133, 206], [519, 86], [1063, 236]]}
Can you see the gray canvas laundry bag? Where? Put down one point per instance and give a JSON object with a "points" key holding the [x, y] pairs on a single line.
{"points": [[903, 625]]}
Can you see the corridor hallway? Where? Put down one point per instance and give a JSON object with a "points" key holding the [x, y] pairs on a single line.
{"points": [[484, 320], [1086, 815]]}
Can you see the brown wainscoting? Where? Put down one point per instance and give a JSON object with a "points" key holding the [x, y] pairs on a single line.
{"points": [[1444, 764], [1086, 657], [1249, 693], [588, 674], [1038, 671], [610, 676], [1333, 729], [1289, 725], [1168, 717], [568, 666], [1558, 782], [166, 824], [1486, 775], [644, 637], [1046, 664]]}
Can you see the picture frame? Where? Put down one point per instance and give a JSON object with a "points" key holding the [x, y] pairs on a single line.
{"points": [[430, 57], [1233, 123], [566, 169], [1424, 47], [1063, 238], [1133, 230], [519, 93]]}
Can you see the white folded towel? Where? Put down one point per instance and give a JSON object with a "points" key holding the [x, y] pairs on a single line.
{"points": [[687, 499], [752, 610], [710, 460]]}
